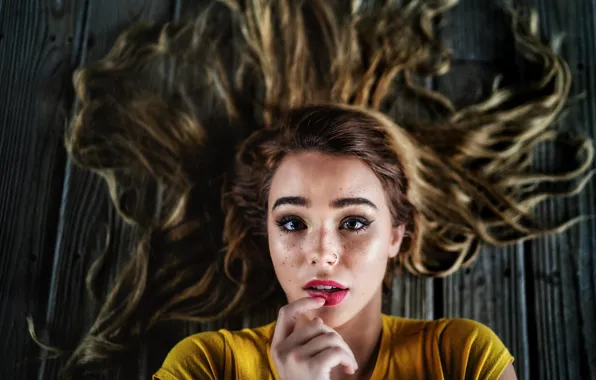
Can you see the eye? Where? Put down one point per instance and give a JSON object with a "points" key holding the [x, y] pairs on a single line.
{"points": [[354, 224], [291, 223]]}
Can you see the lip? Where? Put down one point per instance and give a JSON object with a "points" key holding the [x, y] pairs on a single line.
{"points": [[325, 283], [331, 299]]}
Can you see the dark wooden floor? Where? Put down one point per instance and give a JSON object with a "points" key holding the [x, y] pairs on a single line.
{"points": [[540, 296]]}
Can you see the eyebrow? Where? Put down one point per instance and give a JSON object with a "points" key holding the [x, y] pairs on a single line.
{"points": [[344, 202], [337, 203]]}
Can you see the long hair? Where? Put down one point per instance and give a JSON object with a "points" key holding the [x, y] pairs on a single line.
{"points": [[170, 106]]}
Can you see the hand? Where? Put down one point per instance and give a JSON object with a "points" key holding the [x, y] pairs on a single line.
{"points": [[310, 351]]}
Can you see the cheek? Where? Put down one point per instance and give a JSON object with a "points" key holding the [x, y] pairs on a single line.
{"points": [[365, 248], [282, 247], [284, 252]]}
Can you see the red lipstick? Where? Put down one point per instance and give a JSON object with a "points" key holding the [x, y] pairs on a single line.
{"points": [[332, 291]]}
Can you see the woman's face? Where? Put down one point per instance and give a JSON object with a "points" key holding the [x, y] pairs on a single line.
{"points": [[329, 220]]}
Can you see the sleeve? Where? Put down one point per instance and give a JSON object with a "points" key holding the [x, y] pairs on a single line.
{"points": [[471, 350], [197, 357]]}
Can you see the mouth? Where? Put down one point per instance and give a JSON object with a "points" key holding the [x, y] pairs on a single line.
{"points": [[333, 292]]}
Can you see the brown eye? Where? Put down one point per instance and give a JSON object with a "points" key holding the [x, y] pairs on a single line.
{"points": [[354, 224]]}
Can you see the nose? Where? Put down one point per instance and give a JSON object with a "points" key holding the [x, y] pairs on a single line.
{"points": [[324, 249]]}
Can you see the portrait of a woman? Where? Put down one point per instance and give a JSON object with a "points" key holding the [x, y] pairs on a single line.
{"points": [[337, 189], [285, 117]]}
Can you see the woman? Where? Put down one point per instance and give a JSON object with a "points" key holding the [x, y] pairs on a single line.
{"points": [[334, 182], [337, 191]]}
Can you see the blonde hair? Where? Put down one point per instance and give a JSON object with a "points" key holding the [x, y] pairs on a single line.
{"points": [[169, 101]]}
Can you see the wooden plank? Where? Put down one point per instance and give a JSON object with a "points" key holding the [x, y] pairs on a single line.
{"points": [[411, 297], [492, 290], [165, 335], [37, 45], [87, 217], [477, 23], [563, 267]]}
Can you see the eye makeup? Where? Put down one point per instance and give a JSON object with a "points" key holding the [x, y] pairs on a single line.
{"points": [[292, 223]]}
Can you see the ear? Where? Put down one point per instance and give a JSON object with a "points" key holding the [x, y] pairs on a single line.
{"points": [[397, 236]]}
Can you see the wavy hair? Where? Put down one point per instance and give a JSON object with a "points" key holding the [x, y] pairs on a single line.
{"points": [[170, 106]]}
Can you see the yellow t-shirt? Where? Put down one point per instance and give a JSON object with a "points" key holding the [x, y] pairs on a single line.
{"points": [[410, 349]]}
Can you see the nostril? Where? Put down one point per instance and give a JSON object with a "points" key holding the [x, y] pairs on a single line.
{"points": [[324, 258]]}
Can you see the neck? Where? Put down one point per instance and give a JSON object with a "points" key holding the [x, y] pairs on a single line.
{"points": [[363, 335]]}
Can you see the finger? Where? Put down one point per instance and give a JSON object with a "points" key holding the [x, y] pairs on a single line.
{"points": [[304, 320], [286, 319], [302, 335], [301, 321], [325, 341], [334, 356]]}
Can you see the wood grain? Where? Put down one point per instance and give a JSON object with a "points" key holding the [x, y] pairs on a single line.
{"points": [[411, 297], [491, 291], [88, 222], [55, 219], [37, 45], [563, 267], [479, 25]]}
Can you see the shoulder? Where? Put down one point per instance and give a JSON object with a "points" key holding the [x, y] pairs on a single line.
{"points": [[452, 348], [211, 355], [447, 332], [453, 330], [196, 356], [471, 347]]}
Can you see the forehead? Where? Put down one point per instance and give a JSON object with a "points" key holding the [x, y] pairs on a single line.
{"points": [[319, 176]]}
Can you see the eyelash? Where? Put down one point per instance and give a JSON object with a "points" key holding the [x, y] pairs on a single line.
{"points": [[286, 219]]}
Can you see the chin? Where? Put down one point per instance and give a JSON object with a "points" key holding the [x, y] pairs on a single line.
{"points": [[335, 319]]}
